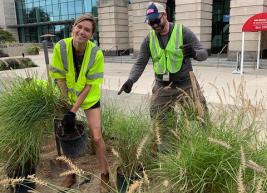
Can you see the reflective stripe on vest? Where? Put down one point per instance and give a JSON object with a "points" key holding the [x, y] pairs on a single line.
{"points": [[73, 90], [158, 65], [53, 69], [95, 76], [63, 53], [92, 59]]}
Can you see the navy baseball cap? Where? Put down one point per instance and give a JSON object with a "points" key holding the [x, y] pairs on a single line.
{"points": [[153, 10]]}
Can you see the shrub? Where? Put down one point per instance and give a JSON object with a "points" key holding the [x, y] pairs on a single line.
{"points": [[26, 63], [2, 54], [6, 36], [16, 63], [3, 65], [33, 50], [13, 63]]}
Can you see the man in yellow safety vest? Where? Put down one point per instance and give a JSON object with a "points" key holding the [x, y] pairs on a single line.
{"points": [[171, 46]]}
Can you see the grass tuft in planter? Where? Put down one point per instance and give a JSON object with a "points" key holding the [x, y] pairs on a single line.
{"points": [[225, 156], [132, 140], [130, 136], [27, 109]]}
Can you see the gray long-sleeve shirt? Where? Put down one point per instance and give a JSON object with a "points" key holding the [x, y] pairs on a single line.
{"points": [[183, 73]]}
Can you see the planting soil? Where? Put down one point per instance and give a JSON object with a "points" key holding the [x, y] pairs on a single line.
{"points": [[49, 170]]}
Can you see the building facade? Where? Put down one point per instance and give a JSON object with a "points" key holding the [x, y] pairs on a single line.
{"points": [[217, 23], [35, 18], [121, 23], [8, 16]]}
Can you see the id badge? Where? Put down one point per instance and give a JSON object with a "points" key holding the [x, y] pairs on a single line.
{"points": [[166, 76]]}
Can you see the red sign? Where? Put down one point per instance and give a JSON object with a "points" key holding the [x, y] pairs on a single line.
{"points": [[256, 23]]}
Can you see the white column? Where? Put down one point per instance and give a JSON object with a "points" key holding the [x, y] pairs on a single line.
{"points": [[197, 15], [113, 25]]}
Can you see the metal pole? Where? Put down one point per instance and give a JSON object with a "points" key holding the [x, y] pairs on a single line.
{"points": [[237, 61], [242, 53], [46, 61], [259, 49]]}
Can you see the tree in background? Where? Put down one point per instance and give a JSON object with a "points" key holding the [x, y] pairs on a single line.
{"points": [[6, 36]]}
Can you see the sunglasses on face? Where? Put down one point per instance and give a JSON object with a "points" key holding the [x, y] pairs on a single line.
{"points": [[155, 21]]}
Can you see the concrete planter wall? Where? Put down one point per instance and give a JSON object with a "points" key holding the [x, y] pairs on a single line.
{"points": [[16, 49]]}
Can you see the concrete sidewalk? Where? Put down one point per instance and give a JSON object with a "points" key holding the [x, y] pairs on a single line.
{"points": [[212, 79]]}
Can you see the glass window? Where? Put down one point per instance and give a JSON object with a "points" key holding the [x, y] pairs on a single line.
{"points": [[64, 17], [56, 9], [29, 5], [35, 3], [64, 9], [49, 2], [49, 10], [94, 2], [51, 29], [79, 6], [56, 18], [72, 16], [35, 11], [42, 3], [87, 6], [71, 8], [42, 9], [220, 25], [44, 29]]}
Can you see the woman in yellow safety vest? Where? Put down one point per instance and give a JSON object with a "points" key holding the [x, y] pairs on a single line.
{"points": [[77, 68]]}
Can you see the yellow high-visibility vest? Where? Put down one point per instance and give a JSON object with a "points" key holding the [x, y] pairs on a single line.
{"points": [[91, 72], [169, 59]]}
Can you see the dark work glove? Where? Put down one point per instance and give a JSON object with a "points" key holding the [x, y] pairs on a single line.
{"points": [[126, 87], [69, 122], [188, 51]]}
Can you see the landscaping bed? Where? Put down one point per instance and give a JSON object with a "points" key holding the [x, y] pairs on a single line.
{"points": [[225, 152], [16, 63]]}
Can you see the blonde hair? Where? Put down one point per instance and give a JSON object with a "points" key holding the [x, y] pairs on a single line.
{"points": [[87, 17]]}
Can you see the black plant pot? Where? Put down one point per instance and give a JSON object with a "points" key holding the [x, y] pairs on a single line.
{"points": [[73, 144], [123, 183], [23, 187], [28, 169]]}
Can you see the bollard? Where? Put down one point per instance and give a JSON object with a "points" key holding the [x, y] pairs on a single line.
{"points": [[238, 60]]}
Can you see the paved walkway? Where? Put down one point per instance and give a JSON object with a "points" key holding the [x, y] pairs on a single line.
{"points": [[213, 80]]}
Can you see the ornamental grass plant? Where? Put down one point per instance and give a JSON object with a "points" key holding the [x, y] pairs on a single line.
{"points": [[227, 156], [131, 137], [27, 109], [133, 141]]}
